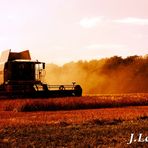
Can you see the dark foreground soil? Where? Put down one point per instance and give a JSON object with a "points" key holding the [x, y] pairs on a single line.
{"points": [[90, 134]]}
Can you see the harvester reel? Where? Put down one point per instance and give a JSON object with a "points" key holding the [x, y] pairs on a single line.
{"points": [[61, 87]]}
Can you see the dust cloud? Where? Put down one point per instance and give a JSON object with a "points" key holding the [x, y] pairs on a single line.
{"points": [[108, 75]]}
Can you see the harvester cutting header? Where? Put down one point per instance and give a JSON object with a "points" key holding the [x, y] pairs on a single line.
{"points": [[22, 77]]}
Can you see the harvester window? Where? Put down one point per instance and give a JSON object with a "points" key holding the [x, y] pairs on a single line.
{"points": [[21, 66], [6, 65], [40, 71]]}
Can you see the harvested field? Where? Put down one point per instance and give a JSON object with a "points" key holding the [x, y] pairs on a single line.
{"points": [[74, 135], [108, 124], [73, 117], [73, 103]]}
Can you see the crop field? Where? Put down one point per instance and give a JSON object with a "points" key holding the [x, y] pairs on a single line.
{"points": [[89, 121]]}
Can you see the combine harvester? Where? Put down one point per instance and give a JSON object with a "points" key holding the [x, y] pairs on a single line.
{"points": [[20, 77]]}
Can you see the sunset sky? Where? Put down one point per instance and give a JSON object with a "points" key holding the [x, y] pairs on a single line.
{"points": [[60, 31]]}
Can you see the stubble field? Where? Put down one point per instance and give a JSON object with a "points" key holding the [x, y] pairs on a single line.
{"points": [[89, 121]]}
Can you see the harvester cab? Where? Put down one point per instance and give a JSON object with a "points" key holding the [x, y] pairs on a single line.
{"points": [[22, 77]]}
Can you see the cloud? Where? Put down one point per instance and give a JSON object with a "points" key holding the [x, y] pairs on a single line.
{"points": [[133, 20], [106, 50], [90, 22]]}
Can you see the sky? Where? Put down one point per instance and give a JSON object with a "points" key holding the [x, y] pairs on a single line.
{"points": [[61, 31]]}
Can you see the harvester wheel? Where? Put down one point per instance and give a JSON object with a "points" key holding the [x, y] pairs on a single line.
{"points": [[61, 87], [78, 90], [77, 87]]}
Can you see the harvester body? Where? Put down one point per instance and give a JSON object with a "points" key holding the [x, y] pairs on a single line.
{"points": [[22, 77]]}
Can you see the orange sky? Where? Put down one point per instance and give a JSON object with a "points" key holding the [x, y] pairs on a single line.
{"points": [[61, 31]]}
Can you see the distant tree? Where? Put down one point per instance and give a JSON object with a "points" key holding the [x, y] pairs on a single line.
{"points": [[112, 63], [130, 59]]}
